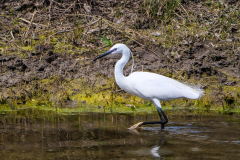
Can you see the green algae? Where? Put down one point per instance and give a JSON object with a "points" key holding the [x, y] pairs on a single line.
{"points": [[65, 96], [103, 95]]}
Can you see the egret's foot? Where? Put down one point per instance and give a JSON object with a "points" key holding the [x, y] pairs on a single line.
{"points": [[134, 131], [163, 123], [162, 126], [136, 125]]}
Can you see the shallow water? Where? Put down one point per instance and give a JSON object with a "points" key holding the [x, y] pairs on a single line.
{"points": [[34, 134]]}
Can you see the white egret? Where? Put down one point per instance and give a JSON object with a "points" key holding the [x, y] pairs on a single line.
{"points": [[149, 86]]}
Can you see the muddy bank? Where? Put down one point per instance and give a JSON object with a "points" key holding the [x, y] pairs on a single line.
{"points": [[204, 64], [52, 57], [200, 61]]}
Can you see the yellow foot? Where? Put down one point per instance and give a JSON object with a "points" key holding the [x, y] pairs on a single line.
{"points": [[136, 125]]}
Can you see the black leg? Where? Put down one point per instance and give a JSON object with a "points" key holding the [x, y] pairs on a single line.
{"points": [[161, 115], [165, 118]]}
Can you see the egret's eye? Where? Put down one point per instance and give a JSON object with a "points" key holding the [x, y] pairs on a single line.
{"points": [[113, 50]]}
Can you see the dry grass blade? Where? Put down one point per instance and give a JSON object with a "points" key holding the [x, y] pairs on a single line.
{"points": [[89, 24], [36, 24], [26, 33]]}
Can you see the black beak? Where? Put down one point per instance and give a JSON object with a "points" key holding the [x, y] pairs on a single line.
{"points": [[104, 54]]}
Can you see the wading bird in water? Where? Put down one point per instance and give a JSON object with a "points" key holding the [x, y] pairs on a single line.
{"points": [[149, 86]]}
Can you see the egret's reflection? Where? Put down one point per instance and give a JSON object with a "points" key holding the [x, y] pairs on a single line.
{"points": [[154, 150]]}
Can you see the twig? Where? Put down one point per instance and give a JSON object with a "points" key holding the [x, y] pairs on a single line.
{"points": [[68, 8], [26, 33], [50, 6], [4, 39], [2, 24], [60, 4], [80, 15], [117, 91], [184, 10], [70, 30], [12, 35], [36, 24]]}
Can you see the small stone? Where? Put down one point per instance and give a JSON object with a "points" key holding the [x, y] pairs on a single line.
{"points": [[184, 42], [87, 8], [17, 8], [217, 35], [117, 20], [122, 11], [129, 105], [199, 5], [157, 34]]}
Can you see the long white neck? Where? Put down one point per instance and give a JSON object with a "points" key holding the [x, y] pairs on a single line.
{"points": [[119, 76]]}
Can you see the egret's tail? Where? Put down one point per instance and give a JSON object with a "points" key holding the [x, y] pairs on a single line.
{"points": [[195, 91], [200, 92]]}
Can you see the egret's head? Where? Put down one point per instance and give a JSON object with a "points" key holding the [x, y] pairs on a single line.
{"points": [[117, 48]]}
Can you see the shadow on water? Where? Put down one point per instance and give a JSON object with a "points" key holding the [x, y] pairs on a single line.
{"points": [[34, 134]]}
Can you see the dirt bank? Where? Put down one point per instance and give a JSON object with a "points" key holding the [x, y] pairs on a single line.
{"points": [[56, 41], [202, 60]]}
